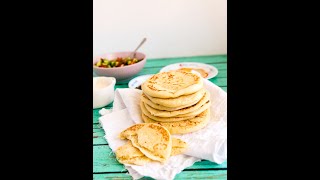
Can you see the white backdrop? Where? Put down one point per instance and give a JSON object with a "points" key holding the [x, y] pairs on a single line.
{"points": [[174, 28]]}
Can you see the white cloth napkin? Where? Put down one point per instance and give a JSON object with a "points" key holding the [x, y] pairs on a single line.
{"points": [[209, 143]]}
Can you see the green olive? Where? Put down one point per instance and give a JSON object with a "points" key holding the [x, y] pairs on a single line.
{"points": [[129, 62]]}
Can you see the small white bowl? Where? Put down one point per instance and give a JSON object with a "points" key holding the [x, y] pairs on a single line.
{"points": [[103, 91]]}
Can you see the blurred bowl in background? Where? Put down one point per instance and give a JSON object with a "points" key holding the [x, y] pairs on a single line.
{"points": [[120, 73]]}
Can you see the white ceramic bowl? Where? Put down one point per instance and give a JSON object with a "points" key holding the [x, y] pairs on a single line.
{"points": [[103, 91]]}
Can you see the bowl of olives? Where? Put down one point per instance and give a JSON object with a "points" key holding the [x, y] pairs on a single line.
{"points": [[121, 65]]}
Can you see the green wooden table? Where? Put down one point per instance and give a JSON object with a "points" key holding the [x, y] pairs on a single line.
{"points": [[105, 166]]}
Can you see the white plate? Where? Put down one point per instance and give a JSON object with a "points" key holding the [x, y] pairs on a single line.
{"points": [[137, 81], [211, 70]]}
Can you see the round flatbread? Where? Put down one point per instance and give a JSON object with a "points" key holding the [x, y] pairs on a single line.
{"points": [[145, 99], [179, 101], [162, 119], [128, 154], [196, 109], [153, 140], [172, 84], [183, 127]]}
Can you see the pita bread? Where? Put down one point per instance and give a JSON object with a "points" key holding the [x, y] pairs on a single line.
{"points": [[196, 109], [179, 101], [145, 99], [128, 154], [153, 140], [185, 126], [161, 119], [172, 84]]}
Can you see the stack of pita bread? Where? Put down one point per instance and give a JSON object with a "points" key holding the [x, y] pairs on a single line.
{"points": [[176, 100]]}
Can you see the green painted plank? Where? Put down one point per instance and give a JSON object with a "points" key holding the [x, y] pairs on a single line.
{"points": [[104, 161], [113, 176], [154, 70], [96, 115], [98, 137], [96, 126], [203, 59], [204, 164], [208, 174], [121, 86], [219, 66], [98, 130], [224, 88], [219, 81]]}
